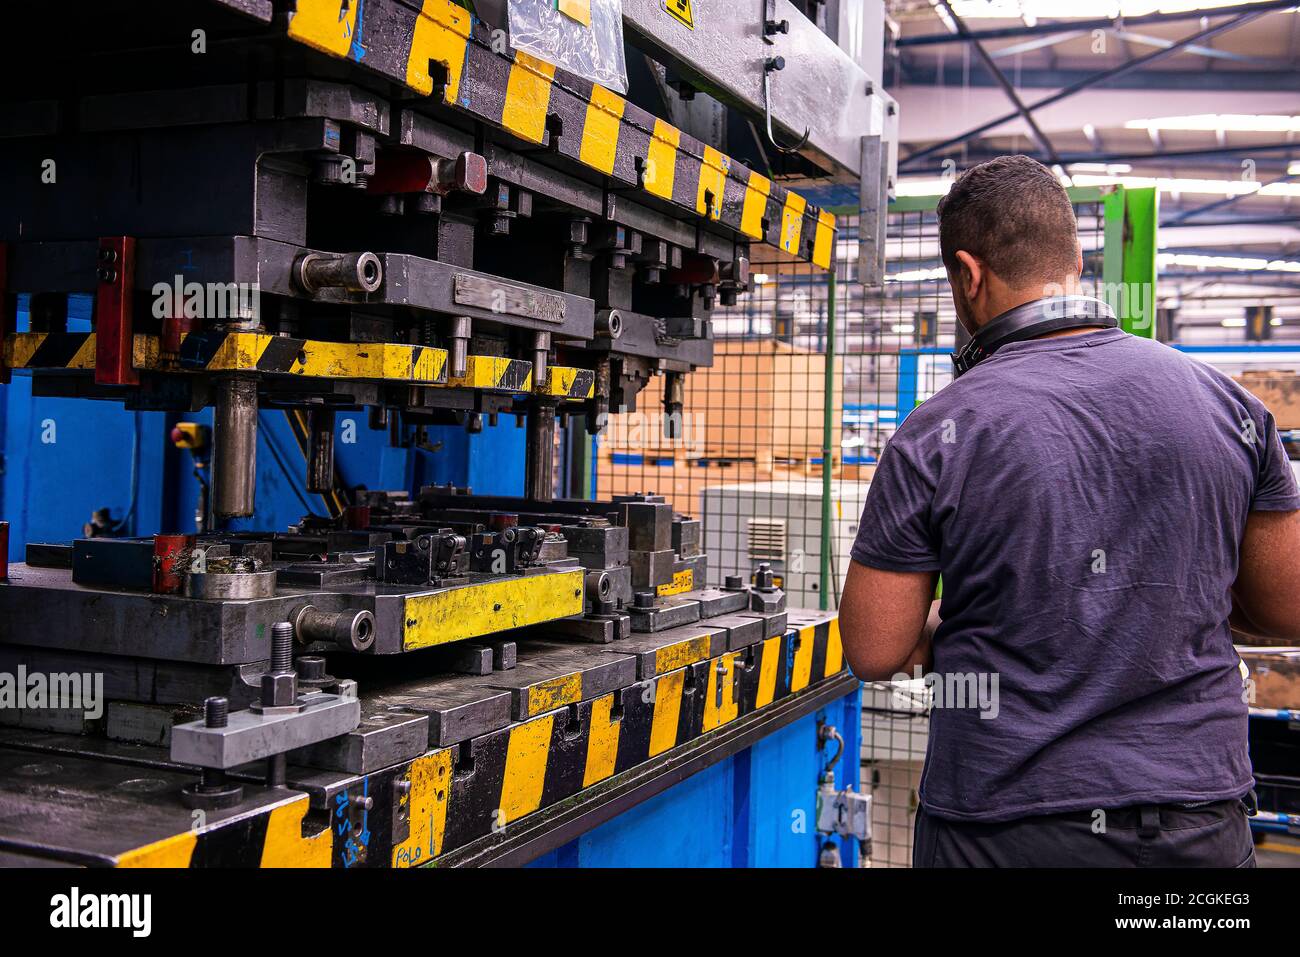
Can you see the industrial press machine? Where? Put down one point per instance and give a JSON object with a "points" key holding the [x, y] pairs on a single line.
{"points": [[436, 216]]}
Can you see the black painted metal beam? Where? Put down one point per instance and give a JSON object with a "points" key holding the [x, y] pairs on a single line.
{"points": [[1153, 57], [1102, 23]]}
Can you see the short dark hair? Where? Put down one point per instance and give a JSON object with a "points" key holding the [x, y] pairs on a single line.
{"points": [[1014, 214]]}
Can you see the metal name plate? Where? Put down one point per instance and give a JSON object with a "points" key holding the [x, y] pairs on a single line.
{"points": [[497, 296]]}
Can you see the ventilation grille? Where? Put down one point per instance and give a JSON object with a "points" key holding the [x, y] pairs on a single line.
{"points": [[767, 539]]}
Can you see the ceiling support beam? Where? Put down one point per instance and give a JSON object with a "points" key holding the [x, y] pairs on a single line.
{"points": [[1153, 57], [1104, 23]]}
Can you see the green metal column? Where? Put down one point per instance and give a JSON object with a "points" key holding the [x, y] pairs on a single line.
{"points": [[1129, 257], [828, 436]]}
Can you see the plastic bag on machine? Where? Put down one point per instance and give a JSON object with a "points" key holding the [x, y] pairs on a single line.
{"points": [[595, 52]]}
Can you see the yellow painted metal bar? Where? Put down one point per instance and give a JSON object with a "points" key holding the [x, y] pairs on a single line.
{"points": [[488, 607]]}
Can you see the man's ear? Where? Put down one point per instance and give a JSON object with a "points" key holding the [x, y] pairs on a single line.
{"points": [[972, 274]]}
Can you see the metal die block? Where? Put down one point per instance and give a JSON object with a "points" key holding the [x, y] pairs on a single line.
{"points": [[383, 738], [669, 650], [651, 569], [649, 526], [664, 614], [715, 601]]}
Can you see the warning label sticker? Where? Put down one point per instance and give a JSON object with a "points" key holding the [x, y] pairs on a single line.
{"points": [[680, 10]]}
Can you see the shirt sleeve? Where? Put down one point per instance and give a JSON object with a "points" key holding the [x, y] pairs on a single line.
{"points": [[894, 534], [1275, 487]]}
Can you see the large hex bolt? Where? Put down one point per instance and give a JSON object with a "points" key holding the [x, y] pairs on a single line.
{"points": [[763, 577], [349, 630], [354, 272], [214, 790]]}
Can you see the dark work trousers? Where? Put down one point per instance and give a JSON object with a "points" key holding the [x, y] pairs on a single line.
{"points": [[1164, 835]]}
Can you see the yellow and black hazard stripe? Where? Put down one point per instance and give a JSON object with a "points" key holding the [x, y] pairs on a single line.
{"points": [[501, 374], [412, 813], [495, 374], [283, 835], [217, 351], [568, 383], [581, 120], [50, 350]]}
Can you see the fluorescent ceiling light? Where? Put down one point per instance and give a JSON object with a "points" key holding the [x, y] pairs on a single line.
{"points": [[760, 278], [1178, 186], [923, 186], [1081, 9], [1233, 323], [904, 327], [1244, 263], [939, 185], [1113, 169], [1213, 122], [917, 275]]}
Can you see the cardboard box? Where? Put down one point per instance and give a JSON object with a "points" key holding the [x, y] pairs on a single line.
{"points": [[759, 398], [1275, 673], [1279, 390]]}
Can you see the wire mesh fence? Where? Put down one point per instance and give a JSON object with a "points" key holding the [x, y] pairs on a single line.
{"points": [[778, 442]]}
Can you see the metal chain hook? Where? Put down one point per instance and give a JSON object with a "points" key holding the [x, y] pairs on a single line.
{"points": [[770, 66]]}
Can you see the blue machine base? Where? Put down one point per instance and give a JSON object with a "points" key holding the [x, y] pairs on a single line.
{"points": [[756, 808]]}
